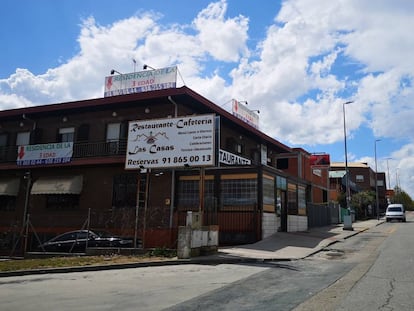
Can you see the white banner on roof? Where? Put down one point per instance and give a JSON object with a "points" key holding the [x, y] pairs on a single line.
{"points": [[242, 112], [141, 81]]}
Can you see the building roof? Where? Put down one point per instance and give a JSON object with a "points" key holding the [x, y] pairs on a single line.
{"points": [[350, 164], [182, 95]]}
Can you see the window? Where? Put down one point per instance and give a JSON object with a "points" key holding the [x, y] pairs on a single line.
{"points": [[62, 201], [292, 200], [301, 200], [282, 164], [7, 203], [359, 178], [23, 139], [82, 133], [3, 140], [281, 183], [3, 145], [268, 193], [239, 192], [66, 134], [234, 146], [188, 192], [125, 190], [113, 132]]}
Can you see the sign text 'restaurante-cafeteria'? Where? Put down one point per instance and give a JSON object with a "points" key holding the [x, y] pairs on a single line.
{"points": [[172, 142]]}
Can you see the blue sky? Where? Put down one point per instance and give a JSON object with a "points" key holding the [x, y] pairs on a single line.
{"points": [[296, 61]]}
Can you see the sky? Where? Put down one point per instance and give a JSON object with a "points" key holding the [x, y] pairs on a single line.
{"points": [[296, 61]]}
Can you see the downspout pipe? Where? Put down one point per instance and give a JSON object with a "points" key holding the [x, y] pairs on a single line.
{"points": [[172, 201], [31, 120], [175, 105]]}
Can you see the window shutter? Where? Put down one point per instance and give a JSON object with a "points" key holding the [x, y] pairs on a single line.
{"points": [[83, 133]]}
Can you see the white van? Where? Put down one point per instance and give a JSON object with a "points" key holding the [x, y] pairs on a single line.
{"points": [[395, 211]]}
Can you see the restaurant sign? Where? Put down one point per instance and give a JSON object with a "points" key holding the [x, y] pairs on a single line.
{"points": [[171, 142], [232, 159]]}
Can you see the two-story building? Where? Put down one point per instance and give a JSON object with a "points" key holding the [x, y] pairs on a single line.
{"points": [[135, 164]]}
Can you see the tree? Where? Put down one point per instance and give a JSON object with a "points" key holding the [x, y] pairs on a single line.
{"points": [[364, 204], [400, 196]]}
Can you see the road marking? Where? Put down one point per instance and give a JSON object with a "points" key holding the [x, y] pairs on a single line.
{"points": [[391, 230]]}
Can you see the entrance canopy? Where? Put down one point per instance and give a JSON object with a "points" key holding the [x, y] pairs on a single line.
{"points": [[58, 185], [9, 186]]}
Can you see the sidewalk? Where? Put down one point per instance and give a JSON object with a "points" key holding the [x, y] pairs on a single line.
{"points": [[281, 246], [296, 245]]}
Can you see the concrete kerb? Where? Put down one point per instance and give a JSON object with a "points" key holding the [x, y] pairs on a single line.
{"points": [[215, 259], [210, 260], [350, 235], [298, 245]]}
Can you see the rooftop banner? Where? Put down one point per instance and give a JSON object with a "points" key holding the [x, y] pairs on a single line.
{"points": [[141, 81], [171, 142], [242, 112], [320, 159]]}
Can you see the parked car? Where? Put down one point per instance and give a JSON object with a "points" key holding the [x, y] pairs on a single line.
{"points": [[395, 211], [77, 241]]}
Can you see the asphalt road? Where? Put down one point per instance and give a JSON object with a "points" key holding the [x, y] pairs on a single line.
{"points": [[382, 277], [182, 287], [389, 283], [369, 271]]}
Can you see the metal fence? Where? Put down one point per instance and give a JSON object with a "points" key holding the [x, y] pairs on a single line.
{"points": [[320, 215]]}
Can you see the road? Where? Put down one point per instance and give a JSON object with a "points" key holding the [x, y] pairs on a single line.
{"points": [[383, 275], [369, 271]]}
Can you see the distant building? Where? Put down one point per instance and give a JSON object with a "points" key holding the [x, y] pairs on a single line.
{"points": [[361, 178]]}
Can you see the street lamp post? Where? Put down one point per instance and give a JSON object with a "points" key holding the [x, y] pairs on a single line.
{"points": [[389, 176], [376, 178], [389, 181], [347, 190]]}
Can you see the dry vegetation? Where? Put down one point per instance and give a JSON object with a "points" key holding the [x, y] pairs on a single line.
{"points": [[77, 261]]}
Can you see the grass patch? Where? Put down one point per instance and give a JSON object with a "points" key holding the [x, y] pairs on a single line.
{"points": [[75, 261]]}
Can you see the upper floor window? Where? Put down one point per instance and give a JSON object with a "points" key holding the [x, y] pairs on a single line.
{"points": [[3, 140], [359, 178], [233, 145], [113, 132], [23, 139], [66, 134]]}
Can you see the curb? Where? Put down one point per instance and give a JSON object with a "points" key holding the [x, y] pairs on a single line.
{"points": [[207, 260], [199, 261]]}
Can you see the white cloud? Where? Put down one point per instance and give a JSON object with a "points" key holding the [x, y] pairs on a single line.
{"points": [[225, 39], [13, 101], [315, 56]]}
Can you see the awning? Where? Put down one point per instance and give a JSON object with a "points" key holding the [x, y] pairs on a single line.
{"points": [[9, 186], [58, 185], [336, 174]]}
